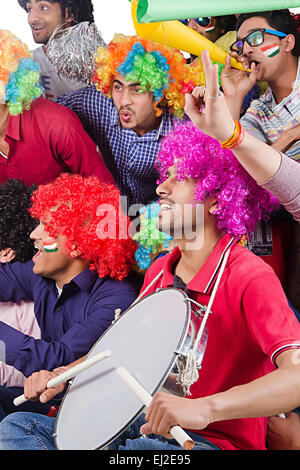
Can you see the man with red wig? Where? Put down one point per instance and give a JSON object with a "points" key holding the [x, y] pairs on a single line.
{"points": [[77, 277]]}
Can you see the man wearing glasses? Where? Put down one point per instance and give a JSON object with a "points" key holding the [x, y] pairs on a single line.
{"points": [[267, 45]]}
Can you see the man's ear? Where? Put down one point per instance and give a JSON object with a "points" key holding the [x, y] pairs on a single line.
{"points": [[75, 253], [289, 42], [6, 255], [213, 207]]}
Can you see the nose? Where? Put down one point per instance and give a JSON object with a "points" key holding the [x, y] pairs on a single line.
{"points": [[164, 189], [247, 50], [125, 97], [33, 16], [36, 233], [194, 25]]}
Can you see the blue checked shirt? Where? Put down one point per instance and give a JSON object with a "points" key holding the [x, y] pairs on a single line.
{"points": [[129, 157]]}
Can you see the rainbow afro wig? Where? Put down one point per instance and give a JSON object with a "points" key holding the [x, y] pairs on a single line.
{"points": [[19, 74], [88, 214], [157, 68], [241, 202]]}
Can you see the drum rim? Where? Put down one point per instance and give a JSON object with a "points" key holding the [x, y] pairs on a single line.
{"points": [[168, 369]]}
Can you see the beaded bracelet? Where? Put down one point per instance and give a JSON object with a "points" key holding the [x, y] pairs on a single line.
{"points": [[236, 138]]}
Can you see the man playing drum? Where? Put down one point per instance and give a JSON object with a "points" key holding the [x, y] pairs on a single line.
{"points": [[250, 369]]}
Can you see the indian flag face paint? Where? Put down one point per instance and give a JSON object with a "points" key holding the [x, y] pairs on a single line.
{"points": [[50, 247], [209, 29], [271, 50]]}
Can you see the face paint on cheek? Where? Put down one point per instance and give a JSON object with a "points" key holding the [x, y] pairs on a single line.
{"points": [[50, 247], [209, 29], [271, 50]]}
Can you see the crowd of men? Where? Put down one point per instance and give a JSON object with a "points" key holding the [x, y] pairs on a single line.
{"points": [[148, 130]]}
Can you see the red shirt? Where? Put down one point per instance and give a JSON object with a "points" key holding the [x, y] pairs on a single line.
{"points": [[47, 140], [250, 324]]}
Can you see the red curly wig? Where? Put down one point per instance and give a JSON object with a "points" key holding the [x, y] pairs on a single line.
{"points": [[88, 214]]}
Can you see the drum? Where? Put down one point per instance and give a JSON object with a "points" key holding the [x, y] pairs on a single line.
{"points": [[98, 406]]}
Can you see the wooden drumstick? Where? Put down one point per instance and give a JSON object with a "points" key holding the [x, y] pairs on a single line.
{"points": [[176, 431], [69, 374]]}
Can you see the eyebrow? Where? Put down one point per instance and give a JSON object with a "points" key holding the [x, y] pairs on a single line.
{"points": [[129, 86]]}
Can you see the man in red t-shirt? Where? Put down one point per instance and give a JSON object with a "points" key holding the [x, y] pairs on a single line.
{"points": [[251, 364]]}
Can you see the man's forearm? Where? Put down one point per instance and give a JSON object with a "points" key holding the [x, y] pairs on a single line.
{"points": [[272, 394], [234, 104], [285, 141], [260, 160]]}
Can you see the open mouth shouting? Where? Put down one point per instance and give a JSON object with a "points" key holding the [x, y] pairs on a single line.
{"points": [[37, 29], [48, 247]]}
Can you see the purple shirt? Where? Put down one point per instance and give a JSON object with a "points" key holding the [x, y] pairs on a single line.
{"points": [[70, 324]]}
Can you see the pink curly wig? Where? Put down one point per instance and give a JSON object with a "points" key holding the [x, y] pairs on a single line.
{"points": [[241, 202], [182, 77], [76, 207]]}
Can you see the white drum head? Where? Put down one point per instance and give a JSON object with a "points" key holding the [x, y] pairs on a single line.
{"points": [[98, 406]]}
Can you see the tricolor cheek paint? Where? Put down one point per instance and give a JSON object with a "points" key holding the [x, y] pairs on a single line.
{"points": [[270, 50], [209, 29], [50, 247]]}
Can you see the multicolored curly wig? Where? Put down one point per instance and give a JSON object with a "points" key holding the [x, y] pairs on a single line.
{"points": [[241, 202], [150, 240], [88, 214], [157, 68], [19, 74]]}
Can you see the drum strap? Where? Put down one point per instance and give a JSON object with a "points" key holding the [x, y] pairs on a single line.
{"points": [[188, 371]]}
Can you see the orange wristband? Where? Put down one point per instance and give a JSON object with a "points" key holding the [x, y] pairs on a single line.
{"points": [[236, 138]]}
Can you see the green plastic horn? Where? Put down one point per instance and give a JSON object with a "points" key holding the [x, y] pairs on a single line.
{"points": [[149, 11]]}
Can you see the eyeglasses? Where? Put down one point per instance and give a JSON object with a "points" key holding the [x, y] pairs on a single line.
{"points": [[203, 21], [255, 38]]}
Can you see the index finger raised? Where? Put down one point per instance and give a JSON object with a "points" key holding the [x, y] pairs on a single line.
{"points": [[211, 75]]}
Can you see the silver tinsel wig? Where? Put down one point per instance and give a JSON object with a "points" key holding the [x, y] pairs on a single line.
{"points": [[72, 51]]}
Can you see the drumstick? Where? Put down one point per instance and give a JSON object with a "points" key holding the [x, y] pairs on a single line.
{"points": [[76, 370], [177, 432]]}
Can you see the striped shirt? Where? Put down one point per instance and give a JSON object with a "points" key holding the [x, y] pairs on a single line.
{"points": [[266, 120], [129, 157]]}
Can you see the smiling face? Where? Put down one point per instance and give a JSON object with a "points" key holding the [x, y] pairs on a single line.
{"points": [[135, 108], [51, 260], [43, 17], [269, 57], [179, 215]]}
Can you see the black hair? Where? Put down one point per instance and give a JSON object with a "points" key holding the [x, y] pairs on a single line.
{"points": [[16, 223], [281, 20], [81, 9], [227, 22]]}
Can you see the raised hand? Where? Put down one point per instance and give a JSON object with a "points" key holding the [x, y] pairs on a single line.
{"points": [[235, 82], [207, 107]]}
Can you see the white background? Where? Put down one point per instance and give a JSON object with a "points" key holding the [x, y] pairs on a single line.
{"points": [[111, 16]]}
